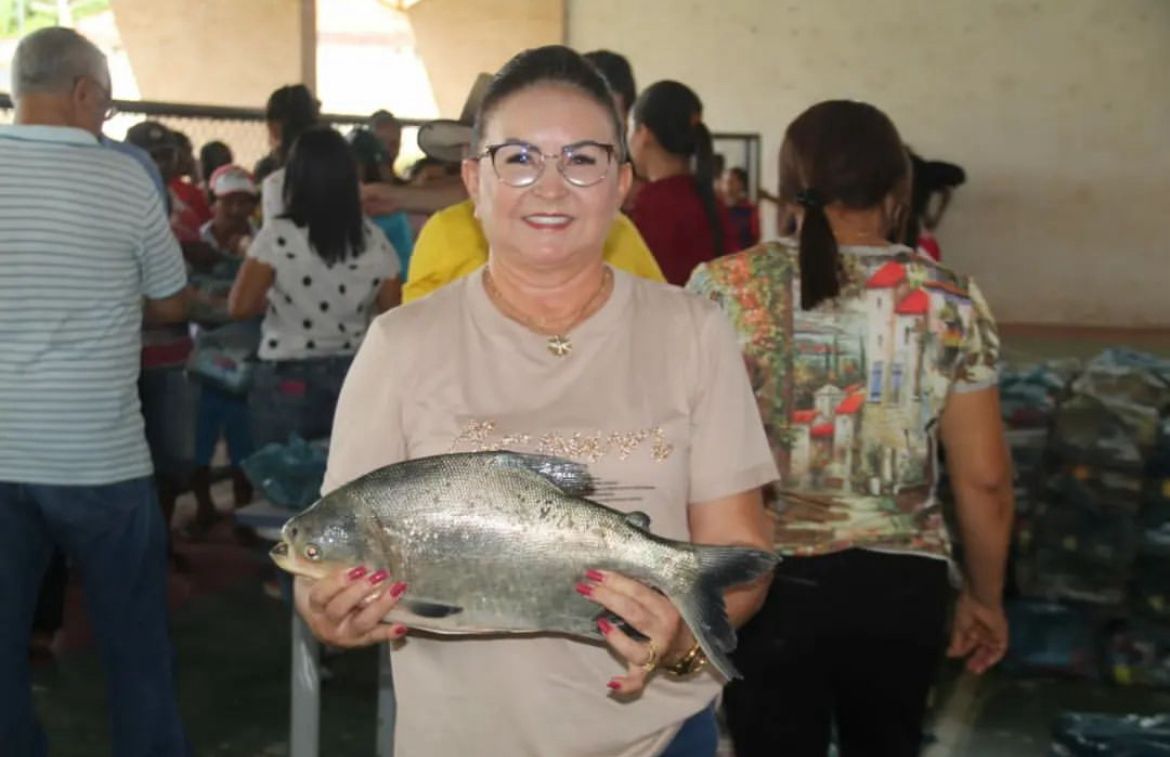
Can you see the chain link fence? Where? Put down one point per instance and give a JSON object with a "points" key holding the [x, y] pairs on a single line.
{"points": [[244, 131], [241, 129]]}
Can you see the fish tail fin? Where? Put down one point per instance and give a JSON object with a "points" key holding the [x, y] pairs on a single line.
{"points": [[701, 603]]}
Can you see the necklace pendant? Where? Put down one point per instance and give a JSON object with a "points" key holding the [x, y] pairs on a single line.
{"points": [[559, 345]]}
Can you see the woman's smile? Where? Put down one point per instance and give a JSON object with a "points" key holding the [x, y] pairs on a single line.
{"points": [[549, 222]]}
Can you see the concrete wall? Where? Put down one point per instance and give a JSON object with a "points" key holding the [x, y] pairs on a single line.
{"points": [[1058, 109], [459, 39], [217, 52]]}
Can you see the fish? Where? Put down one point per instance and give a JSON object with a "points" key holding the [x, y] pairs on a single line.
{"points": [[495, 542]]}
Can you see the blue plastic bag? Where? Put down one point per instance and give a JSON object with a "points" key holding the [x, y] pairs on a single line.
{"points": [[289, 475], [225, 357]]}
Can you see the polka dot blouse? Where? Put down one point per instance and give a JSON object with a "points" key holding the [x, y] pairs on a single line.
{"points": [[314, 309]]}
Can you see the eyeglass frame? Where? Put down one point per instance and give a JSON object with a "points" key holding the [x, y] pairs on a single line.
{"points": [[111, 109], [490, 151]]}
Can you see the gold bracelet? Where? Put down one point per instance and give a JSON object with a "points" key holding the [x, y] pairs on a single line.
{"points": [[689, 664]]}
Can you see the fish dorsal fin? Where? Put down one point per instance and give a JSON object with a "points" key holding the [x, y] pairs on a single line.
{"points": [[639, 519], [570, 477]]}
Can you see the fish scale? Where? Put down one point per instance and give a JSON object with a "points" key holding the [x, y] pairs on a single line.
{"points": [[494, 542]]}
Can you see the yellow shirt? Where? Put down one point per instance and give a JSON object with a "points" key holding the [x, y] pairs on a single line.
{"points": [[452, 245]]}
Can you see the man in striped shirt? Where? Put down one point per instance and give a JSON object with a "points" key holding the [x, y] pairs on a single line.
{"points": [[85, 254]]}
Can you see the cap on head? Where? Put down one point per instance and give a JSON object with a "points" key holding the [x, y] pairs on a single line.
{"points": [[231, 179], [151, 136], [367, 148]]}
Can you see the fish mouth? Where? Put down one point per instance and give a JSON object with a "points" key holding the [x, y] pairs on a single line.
{"points": [[285, 557], [281, 555]]}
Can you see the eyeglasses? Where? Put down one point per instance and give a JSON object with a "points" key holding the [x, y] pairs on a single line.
{"points": [[111, 109], [519, 164]]}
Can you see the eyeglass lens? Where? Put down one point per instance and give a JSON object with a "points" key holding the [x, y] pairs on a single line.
{"points": [[520, 165]]}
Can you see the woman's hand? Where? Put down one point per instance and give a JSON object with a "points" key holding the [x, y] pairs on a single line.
{"points": [[980, 633], [346, 608], [651, 613]]}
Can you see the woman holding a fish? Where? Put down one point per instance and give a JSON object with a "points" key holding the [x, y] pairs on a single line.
{"points": [[520, 588]]}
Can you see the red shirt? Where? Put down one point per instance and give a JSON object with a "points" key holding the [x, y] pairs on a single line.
{"points": [[929, 244], [189, 210], [669, 213]]}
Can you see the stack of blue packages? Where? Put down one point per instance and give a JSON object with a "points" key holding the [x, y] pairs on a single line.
{"points": [[1079, 734], [1050, 637], [1087, 533], [1138, 654]]}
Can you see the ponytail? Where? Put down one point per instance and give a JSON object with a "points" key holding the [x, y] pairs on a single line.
{"points": [[674, 115], [295, 109], [705, 183], [819, 256]]}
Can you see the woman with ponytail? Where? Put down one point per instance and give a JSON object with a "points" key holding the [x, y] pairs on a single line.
{"points": [[681, 219], [865, 355], [292, 110]]}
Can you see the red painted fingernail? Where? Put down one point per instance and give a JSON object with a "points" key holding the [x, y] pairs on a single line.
{"points": [[615, 685], [585, 590], [398, 589], [379, 577], [399, 631], [356, 573], [595, 575], [604, 626]]}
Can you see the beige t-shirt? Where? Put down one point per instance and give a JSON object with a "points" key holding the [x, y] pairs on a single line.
{"points": [[654, 397]]}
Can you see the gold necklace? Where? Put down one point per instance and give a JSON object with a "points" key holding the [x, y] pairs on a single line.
{"points": [[558, 342]]}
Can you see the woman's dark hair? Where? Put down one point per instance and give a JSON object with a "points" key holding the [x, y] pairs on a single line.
{"points": [[554, 64], [213, 155], [295, 109], [838, 151], [380, 117], [321, 192], [369, 154], [617, 72], [927, 177], [741, 174], [674, 115]]}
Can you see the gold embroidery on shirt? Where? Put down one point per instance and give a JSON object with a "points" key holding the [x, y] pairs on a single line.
{"points": [[479, 436], [662, 448], [475, 434]]}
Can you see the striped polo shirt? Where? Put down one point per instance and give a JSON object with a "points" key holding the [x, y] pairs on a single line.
{"points": [[83, 238]]}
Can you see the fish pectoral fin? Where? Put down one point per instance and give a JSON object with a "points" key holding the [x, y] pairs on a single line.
{"points": [[639, 519], [424, 609]]}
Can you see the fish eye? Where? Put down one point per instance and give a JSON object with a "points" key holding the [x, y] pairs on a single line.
{"points": [[312, 552]]}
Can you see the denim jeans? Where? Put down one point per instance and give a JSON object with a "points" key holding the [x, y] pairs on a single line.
{"points": [[295, 396], [113, 535], [168, 408], [226, 413], [698, 737]]}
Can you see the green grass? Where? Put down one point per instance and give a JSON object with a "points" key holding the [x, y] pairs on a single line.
{"points": [[39, 14]]}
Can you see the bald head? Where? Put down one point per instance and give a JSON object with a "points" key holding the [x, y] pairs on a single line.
{"points": [[50, 61]]}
